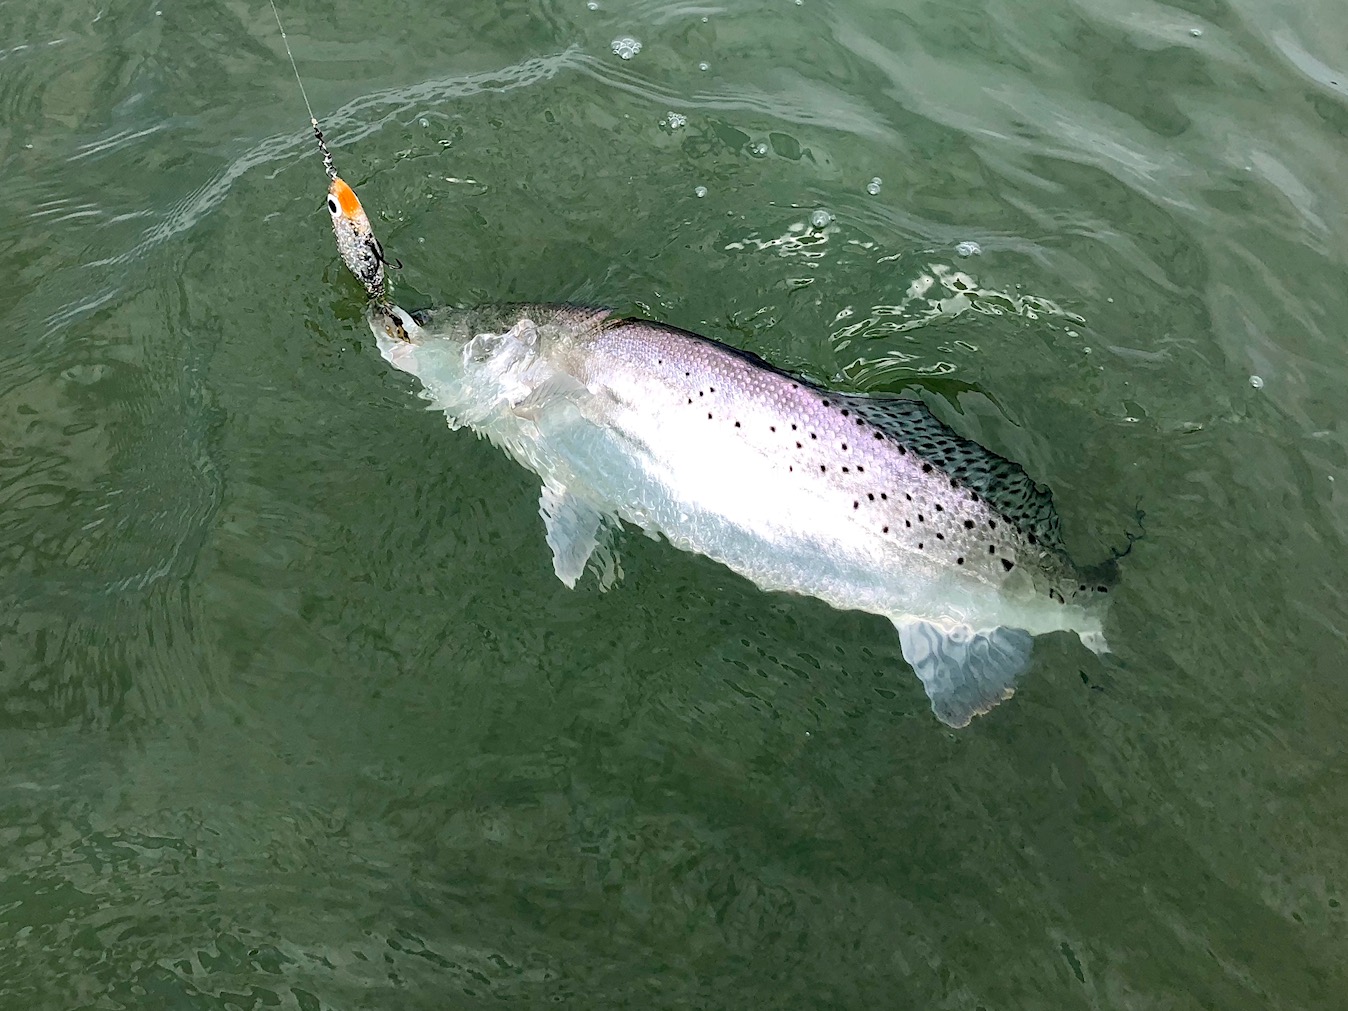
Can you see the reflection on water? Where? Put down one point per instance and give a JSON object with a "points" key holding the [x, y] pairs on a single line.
{"points": [[292, 710]]}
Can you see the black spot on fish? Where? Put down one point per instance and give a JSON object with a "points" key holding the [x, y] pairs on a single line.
{"points": [[870, 495], [960, 560], [1103, 589], [902, 451], [772, 428], [737, 424], [879, 435], [908, 524], [1007, 564], [846, 414], [940, 508], [926, 468], [793, 426], [920, 518], [992, 524], [908, 496], [992, 549], [919, 545], [940, 537], [822, 468], [883, 496], [799, 446], [813, 436], [860, 422], [884, 530], [968, 524], [1033, 539], [711, 389], [856, 505], [844, 446], [973, 496], [700, 393], [844, 470], [1081, 588], [825, 403], [861, 470], [690, 400]]}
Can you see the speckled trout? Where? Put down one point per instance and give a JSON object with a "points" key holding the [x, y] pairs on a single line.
{"points": [[868, 503]]}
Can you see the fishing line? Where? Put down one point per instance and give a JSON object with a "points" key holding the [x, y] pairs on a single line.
{"points": [[313, 120]]}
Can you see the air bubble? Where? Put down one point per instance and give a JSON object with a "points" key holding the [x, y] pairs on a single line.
{"points": [[704, 66], [700, 191], [758, 149], [592, 6], [821, 218], [674, 120], [968, 249], [1196, 32], [1257, 382], [873, 187], [626, 47]]}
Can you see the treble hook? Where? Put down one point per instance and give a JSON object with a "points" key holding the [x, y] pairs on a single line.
{"points": [[396, 264]]}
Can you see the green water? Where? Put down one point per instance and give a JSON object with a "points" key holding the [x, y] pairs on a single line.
{"points": [[293, 712]]}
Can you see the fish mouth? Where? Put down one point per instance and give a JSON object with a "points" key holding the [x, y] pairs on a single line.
{"points": [[393, 322]]}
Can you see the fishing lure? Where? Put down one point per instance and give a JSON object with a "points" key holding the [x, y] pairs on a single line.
{"points": [[356, 242]]}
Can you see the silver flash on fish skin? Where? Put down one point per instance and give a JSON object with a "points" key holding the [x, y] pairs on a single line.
{"points": [[867, 503], [356, 241]]}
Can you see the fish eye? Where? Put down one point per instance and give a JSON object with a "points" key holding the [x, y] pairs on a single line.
{"points": [[332, 205]]}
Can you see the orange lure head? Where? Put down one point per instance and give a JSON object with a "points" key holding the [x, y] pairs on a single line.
{"points": [[360, 250]]}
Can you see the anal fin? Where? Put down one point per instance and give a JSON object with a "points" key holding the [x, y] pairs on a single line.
{"points": [[577, 532], [965, 672]]}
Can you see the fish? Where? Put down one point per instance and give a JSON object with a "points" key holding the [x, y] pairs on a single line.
{"points": [[865, 502]]}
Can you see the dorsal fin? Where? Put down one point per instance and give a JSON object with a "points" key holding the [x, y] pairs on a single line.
{"points": [[1001, 483]]}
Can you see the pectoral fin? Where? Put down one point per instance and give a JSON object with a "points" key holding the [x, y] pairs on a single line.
{"points": [[965, 672], [550, 391], [577, 532]]}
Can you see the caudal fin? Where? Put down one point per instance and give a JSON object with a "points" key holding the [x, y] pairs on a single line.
{"points": [[965, 672]]}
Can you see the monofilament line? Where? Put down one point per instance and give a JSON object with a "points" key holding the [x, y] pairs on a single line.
{"points": [[313, 120]]}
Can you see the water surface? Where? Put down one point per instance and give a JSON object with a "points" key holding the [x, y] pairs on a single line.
{"points": [[293, 712]]}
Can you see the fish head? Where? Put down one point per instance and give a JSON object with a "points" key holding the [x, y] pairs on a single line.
{"points": [[356, 241]]}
